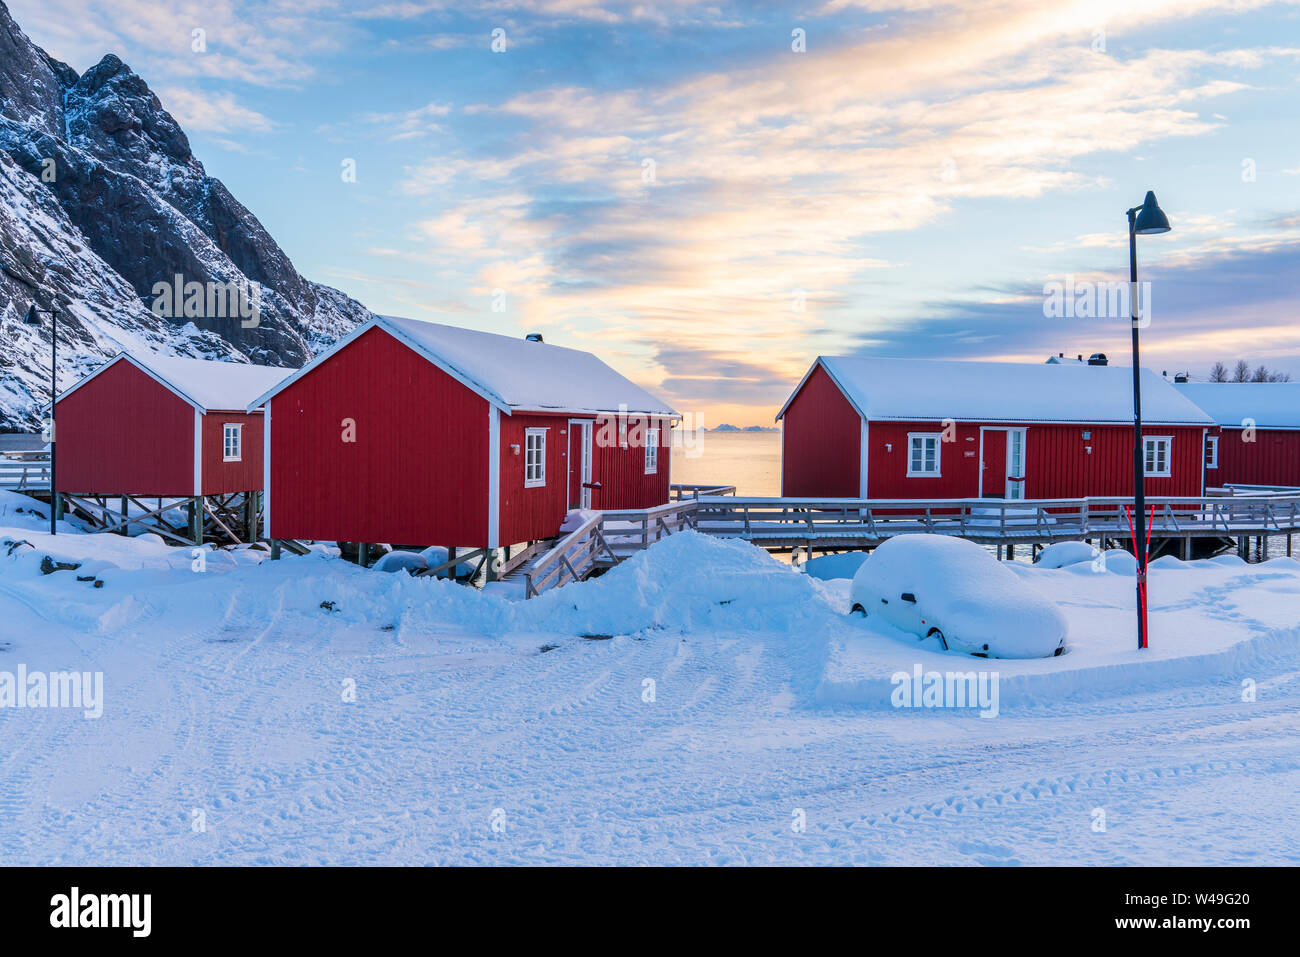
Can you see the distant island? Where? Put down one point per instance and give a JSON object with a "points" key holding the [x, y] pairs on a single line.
{"points": [[725, 427]]}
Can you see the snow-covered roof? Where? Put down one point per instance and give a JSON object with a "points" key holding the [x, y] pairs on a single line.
{"points": [[511, 372], [208, 385], [1270, 405], [932, 389]]}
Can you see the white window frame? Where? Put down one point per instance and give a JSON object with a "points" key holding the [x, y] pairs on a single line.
{"points": [[538, 479], [227, 428], [651, 451], [912, 438], [1212, 447], [1152, 441]]}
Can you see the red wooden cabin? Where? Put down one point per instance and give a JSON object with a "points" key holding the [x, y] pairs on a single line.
{"points": [[920, 429], [413, 433], [1259, 432], [153, 425]]}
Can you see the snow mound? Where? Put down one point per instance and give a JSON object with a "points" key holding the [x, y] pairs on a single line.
{"points": [[1066, 553], [831, 567], [684, 582]]}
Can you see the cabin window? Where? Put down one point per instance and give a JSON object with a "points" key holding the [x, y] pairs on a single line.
{"points": [[1157, 454], [232, 443], [923, 454], [1211, 451], [651, 451], [534, 458]]}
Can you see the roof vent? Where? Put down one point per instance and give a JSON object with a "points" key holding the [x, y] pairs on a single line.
{"points": [[534, 337], [1097, 359]]}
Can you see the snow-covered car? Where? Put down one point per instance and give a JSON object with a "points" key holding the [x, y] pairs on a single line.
{"points": [[957, 592]]}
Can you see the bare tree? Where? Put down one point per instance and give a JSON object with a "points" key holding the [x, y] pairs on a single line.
{"points": [[1242, 372]]}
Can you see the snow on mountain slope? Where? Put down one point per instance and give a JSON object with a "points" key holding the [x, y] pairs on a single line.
{"points": [[101, 199]]}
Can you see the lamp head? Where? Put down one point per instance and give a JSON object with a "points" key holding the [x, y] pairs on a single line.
{"points": [[32, 318], [1151, 219]]}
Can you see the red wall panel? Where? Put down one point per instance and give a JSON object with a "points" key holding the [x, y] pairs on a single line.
{"points": [[1273, 458], [619, 466], [124, 434], [822, 442], [221, 477], [528, 514], [1058, 463], [417, 473]]}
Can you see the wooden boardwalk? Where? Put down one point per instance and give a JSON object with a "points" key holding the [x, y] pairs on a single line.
{"points": [[851, 524], [25, 472]]}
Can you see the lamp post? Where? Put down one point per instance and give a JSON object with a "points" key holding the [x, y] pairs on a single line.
{"points": [[1145, 220], [33, 318]]}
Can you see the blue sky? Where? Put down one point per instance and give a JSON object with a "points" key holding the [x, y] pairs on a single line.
{"points": [[912, 179]]}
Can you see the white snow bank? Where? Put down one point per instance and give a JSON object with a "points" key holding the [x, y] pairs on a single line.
{"points": [[688, 581], [1209, 620], [1061, 554], [831, 567]]}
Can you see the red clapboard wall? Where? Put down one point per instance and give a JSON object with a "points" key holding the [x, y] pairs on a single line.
{"points": [[619, 466], [122, 433], [1273, 458], [1059, 462], [417, 472], [821, 442], [221, 477], [528, 514]]}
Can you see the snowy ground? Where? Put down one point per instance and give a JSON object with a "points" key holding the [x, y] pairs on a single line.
{"points": [[225, 705]]}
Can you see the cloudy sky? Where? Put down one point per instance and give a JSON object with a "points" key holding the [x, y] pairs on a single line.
{"points": [[710, 195]]}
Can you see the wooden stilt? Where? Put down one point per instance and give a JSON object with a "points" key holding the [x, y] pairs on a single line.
{"points": [[275, 549]]}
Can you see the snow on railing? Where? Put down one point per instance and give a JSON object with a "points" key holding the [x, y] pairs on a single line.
{"points": [[25, 471], [606, 538], [609, 537]]}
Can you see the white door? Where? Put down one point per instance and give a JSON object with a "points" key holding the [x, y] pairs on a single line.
{"points": [[1015, 463], [578, 472]]}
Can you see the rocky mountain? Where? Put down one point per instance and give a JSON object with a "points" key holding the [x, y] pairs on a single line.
{"points": [[101, 201]]}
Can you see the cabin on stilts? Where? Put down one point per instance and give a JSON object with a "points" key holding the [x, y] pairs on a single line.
{"points": [[927, 430], [1258, 439], [164, 444], [414, 434]]}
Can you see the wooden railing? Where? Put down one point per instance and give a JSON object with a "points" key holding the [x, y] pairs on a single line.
{"points": [[606, 538], [794, 521], [678, 493], [25, 471], [609, 537]]}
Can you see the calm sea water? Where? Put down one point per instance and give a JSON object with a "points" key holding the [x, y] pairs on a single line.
{"points": [[751, 461]]}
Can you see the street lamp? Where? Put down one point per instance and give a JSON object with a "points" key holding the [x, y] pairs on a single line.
{"points": [[1145, 220], [33, 318]]}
